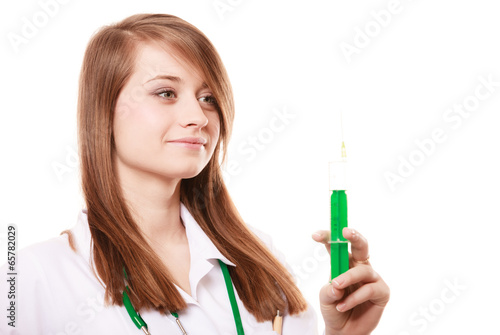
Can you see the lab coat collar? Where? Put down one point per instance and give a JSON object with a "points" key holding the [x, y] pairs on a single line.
{"points": [[199, 242], [204, 255]]}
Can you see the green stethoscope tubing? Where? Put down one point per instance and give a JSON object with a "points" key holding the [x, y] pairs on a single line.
{"points": [[141, 324], [232, 298]]}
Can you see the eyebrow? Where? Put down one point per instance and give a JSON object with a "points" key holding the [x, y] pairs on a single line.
{"points": [[166, 76], [172, 78]]}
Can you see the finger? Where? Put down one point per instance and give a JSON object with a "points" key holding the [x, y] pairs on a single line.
{"points": [[376, 293], [356, 275], [322, 236], [359, 244]]}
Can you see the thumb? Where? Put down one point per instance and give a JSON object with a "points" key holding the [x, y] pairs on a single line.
{"points": [[329, 297]]}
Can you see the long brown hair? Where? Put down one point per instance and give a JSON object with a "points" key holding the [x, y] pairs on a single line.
{"points": [[262, 282]]}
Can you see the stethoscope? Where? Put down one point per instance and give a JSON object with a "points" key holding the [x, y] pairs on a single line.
{"points": [[139, 322]]}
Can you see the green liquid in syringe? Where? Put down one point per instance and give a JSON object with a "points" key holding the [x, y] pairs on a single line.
{"points": [[339, 251]]}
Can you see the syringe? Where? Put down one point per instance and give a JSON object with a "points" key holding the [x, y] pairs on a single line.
{"points": [[339, 253]]}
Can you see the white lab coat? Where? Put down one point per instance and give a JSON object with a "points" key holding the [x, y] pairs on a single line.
{"points": [[57, 293]]}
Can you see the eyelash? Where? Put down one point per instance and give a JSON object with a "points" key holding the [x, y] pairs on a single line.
{"points": [[210, 96], [159, 93]]}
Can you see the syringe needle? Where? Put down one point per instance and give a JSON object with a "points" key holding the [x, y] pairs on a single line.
{"points": [[342, 149]]}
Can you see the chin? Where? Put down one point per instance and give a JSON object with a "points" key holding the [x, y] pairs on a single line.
{"points": [[189, 173]]}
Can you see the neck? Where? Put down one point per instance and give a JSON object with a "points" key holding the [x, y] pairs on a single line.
{"points": [[155, 206]]}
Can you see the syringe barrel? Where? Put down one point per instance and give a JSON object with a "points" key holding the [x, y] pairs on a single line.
{"points": [[338, 175], [338, 244]]}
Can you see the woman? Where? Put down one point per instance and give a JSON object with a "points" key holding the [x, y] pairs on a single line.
{"points": [[160, 234]]}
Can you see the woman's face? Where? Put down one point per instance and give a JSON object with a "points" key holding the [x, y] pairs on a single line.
{"points": [[166, 122]]}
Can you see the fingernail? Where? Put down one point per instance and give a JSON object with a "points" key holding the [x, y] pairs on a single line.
{"points": [[333, 294], [317, 234], [340, 307], [338, 281], [354, 234]]}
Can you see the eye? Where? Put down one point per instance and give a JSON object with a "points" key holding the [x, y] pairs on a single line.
{"points": [[209, 99], [166, 94]]}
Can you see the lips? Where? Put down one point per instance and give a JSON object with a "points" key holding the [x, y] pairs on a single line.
{"points": [[190, 140], [190, 143]]}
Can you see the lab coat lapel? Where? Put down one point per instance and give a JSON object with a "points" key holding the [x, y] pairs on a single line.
{"points": [[204, 254]]}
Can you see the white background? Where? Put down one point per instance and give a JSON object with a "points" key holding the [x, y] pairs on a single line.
{"points": [[438, 226]]}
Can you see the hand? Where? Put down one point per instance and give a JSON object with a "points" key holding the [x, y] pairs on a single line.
{"points": [[354, 301]]}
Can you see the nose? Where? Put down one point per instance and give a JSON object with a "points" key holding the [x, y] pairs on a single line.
{"points": [[192, 114]]}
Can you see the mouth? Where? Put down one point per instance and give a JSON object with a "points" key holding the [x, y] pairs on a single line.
{"points": [[190, 142]]}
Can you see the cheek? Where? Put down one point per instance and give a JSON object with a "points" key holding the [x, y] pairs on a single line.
{"points": [[137, 129]]}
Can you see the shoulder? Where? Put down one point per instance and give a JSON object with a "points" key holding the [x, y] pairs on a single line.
{"points": [[37, 263], [49, 247], [61, 257], [37, 277], [53, 250], [47, 263]]}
